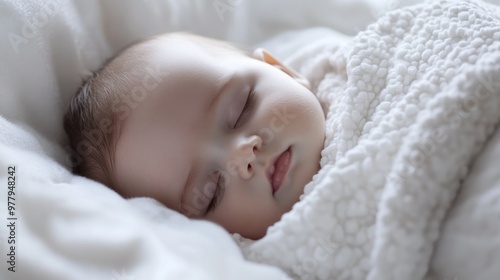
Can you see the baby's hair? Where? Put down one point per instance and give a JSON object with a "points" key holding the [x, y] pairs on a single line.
{"points": [[91, 125], [93, 128]]}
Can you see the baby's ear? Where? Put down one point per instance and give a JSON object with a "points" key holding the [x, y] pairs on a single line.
{"points": [[263, 55]]}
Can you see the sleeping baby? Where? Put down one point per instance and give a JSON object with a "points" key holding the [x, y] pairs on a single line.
{"points": [[201, 126]]}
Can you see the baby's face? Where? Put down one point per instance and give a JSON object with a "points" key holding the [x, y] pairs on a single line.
{"points": [[226, 138]]}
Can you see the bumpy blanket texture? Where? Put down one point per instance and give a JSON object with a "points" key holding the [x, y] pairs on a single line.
{"points": [[410, 102]]}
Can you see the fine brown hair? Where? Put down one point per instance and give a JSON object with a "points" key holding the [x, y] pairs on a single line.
{"points": [[91, 124]]}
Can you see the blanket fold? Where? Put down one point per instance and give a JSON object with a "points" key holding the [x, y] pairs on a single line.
{"points": [[410, 102]]}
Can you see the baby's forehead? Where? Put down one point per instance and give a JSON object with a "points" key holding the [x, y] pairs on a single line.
{"points": [[141, 56], [186, 68], [176, 65]]}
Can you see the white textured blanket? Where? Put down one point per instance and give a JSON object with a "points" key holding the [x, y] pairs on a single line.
{"points": [[411, 101]]}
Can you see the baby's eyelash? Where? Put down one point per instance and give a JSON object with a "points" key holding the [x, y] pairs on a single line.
{"points": [[247, 110], [218, 194]]}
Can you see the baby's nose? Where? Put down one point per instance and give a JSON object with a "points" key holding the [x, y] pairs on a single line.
{"points": [[246, 155]]}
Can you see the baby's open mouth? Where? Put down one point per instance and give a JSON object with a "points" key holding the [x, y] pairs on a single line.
{"points": [[279, 169]]}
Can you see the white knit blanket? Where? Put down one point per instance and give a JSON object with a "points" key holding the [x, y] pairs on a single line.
{"points": [[410, 101]]}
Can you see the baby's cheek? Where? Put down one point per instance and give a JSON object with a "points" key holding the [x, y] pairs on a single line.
{"points": [[276, 116]]}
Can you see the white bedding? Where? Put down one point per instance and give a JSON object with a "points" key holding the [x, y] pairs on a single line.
{"points": [[70, 227]]}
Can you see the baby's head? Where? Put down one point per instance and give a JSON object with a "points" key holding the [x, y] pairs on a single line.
{"points": [[201, 127]]}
